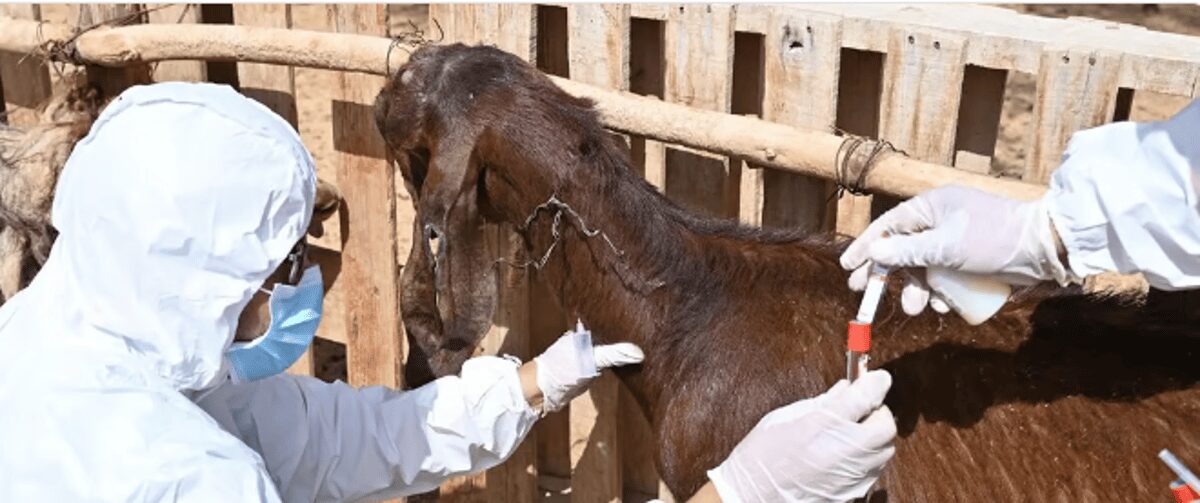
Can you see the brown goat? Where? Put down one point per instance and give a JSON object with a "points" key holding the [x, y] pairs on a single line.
{"points": [[1060, 397]]}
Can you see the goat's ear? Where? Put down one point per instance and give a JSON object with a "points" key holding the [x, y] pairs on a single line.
{"points": [[455, 257], [326, 204]]}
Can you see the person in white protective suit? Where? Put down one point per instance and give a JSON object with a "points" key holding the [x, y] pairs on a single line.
{"points": [[123, 380], [1124, 199]]}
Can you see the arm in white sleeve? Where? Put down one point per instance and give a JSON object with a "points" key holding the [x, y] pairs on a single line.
{"points": [[1125, 200], [331, 442]]}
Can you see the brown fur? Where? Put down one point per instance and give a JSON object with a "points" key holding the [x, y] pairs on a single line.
{"points": [[1060, 397]]}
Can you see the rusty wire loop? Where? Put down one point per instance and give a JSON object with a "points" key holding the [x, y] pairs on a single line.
{"points": [[852, 164], [559, 208], [414, 37], [65, 52]]}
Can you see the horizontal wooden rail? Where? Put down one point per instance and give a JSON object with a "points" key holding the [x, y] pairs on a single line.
{"points": [[149, 43], [809, 152]]}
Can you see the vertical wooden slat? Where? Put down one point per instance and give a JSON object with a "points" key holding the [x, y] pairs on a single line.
{"points": [[112, 80], [699, 42], [186, 71], [367, 182], [860, 88], [923, 74], [26, 80], [979, 118], [923, 77], [1076, 89], [598, 54], [275, 87], [803, 57], [598, 44], [271, 85]]}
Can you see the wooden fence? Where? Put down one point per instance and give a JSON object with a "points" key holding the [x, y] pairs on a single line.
{"points": [[687, 85]]}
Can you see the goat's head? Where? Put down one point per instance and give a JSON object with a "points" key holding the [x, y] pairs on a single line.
{"points": [[480, 137]]}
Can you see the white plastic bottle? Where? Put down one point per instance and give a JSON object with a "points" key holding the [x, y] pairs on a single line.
{"points": [[976, 298]]}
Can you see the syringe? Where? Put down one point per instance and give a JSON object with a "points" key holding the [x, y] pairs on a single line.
{"points": [[1186, 479], [858, 337]]}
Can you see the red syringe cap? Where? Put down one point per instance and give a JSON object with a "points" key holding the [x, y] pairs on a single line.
{"points": [[859, 337]]}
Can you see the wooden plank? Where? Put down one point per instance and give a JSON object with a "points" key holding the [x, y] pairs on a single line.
{"points": [[1004, 39], [598, 44], [699, 59], [803, 58], [186, 71], [271, 85], [598, 54], [367, 182], [860, 89], [979, 118], [26, 80], [113, 80], [1076, 89], [518, 25], [923, 73], [275, 87]]}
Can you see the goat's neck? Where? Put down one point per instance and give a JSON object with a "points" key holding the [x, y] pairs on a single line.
{"points": [[616, 290]]}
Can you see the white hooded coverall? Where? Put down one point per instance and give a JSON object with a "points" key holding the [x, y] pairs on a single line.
{"points": [[171, 213], [1125, 199]]}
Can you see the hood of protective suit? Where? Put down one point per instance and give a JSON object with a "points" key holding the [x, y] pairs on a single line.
{"points": [[173, 210]]}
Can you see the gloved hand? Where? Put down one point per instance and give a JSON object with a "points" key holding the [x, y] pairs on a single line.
{"points": [[566, 367], [958, 228], [815, 449]]}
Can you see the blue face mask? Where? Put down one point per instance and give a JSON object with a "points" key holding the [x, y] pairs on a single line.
{"points": [[295, 315]]}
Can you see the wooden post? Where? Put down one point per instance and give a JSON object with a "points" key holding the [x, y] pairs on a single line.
{"points": [[923, 77], [187, 71], [1076, 89], [113, 80], [803, 55], [699, 42], [275, 87], [372, 309], [26, 80]]}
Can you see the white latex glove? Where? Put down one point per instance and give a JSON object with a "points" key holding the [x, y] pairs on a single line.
{"points": [[958, 228], [815, 449], [566, 368]]}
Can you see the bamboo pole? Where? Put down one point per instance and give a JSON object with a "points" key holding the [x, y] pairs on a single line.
{"points": [[764, 143]]}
